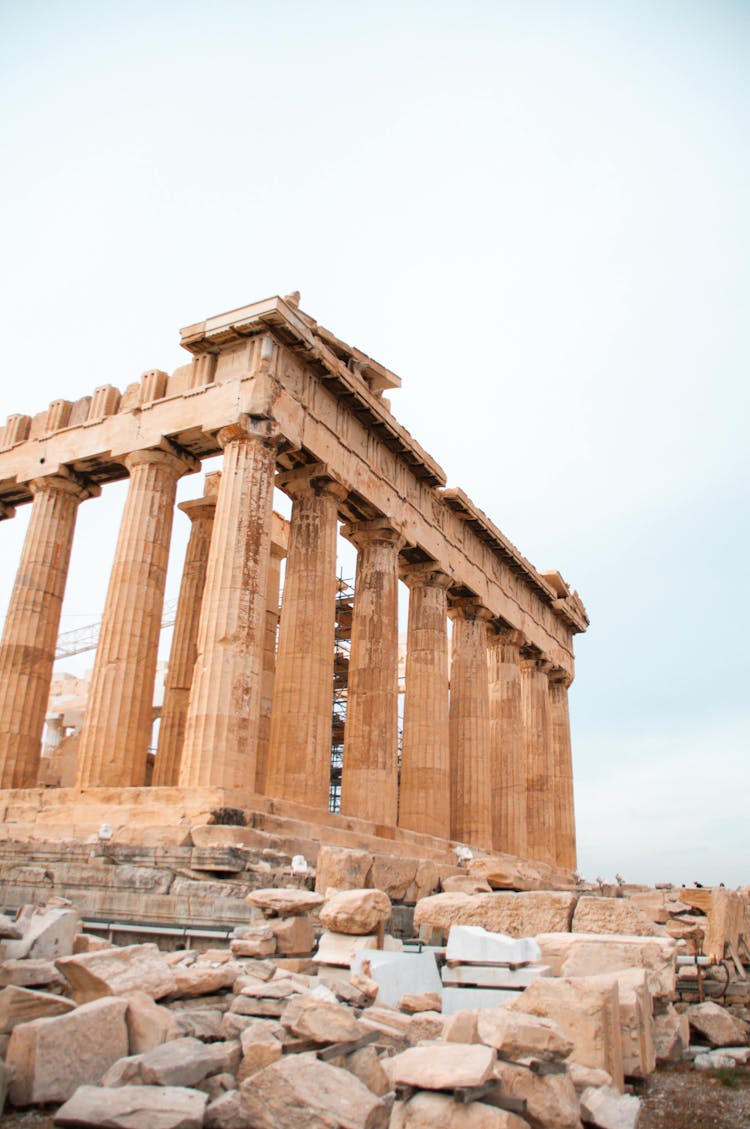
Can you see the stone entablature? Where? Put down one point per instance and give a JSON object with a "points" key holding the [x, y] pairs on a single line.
{"points": [[288, 403]]}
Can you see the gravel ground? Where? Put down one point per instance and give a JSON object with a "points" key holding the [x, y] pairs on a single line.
{"points": [[693, 1099]]}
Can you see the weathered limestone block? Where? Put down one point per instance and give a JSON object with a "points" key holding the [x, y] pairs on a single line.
{"points": [[551, 1099], [30, 974], [134, 1107], [10, 930], [299, 1092], [587, 954], [443, 1066], [113, 972], [517, 1035], [584, 1076], [507, 872], [256, 941], [260, 1047], [394, 876], [471, 944], [204, 1023], [225, 1112], [588, 1011], [613, 915], [463, 884], [180, 1062], [341, 869], [412, 1004], [365, 1064], [281, 902], [295, 936], [87, 943], [149, 1025], [606, 1108], [20, 1005], [438, 1111], [49, 934], [636, 1021], [519, 915], [671, 1035], [264, 999], [203, 979], [340, 949], [50, 1058], [718, 1026], [320, 1022], [356, 911]]}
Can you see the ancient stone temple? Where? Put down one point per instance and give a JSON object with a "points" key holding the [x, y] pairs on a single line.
{"points": [[486, 751]]}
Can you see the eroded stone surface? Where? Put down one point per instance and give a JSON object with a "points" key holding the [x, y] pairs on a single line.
{"points": [[133, 1107], [355, 912], [115, 971]]}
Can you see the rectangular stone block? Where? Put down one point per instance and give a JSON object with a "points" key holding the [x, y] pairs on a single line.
{"points": [[471, 944]]}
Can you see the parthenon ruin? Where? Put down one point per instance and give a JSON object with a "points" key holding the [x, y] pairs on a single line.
{"points": [[486, 754]]}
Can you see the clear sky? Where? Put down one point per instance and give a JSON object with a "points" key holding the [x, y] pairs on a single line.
{"points": [[536, 213]]}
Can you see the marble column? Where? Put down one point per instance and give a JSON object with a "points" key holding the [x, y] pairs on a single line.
{"points": [[118, 722], [369, 779], [221, 733], [540, 816], [565, 826], [506, 742], [471, 777], [276, 556], [27, 651], [425, 786], [299, 756], [179, 677]]}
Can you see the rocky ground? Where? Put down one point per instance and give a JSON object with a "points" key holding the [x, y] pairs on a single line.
{"points": [[685, 1099]]}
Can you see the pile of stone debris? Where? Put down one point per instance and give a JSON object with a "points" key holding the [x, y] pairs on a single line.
{"points": [[538, 1009]]}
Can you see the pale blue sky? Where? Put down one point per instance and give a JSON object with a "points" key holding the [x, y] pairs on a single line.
{"points": [[536, 213]]}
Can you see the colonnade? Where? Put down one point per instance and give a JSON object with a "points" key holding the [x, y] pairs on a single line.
{"points": [[485, 755]]}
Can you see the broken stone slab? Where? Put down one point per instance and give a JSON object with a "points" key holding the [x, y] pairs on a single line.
{"points": [[588, 954], [260, 1048], [180, 1062], [472, 944], [257, 941], [492, 976], [116, 971], [671, 1035], [134, 1107], [517, 1035], [399, 973], [365, 1064], [285, 902], [340, 868], [27, 973], [340, 949], [206, 1023], [10, 930], [300, 1092], [714, 1060], [49, 934], [588, 1011], [464, 884], [506, 872], [584, 1076], [50, 1058], [717, 1025], [20, 1005], [412, 1004], [355, 912], [551, 1099], [149, 1025], [202, 979], [267, 999], [225, 1112], [87, 943], [606, 1108], [443, 1066], [613, 915], [438, 1111], [320, 1022], [636, 1021], [519, 915], [295, 936]]}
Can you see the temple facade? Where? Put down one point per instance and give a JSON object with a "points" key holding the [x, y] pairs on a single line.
{"points": [[486, 750]]}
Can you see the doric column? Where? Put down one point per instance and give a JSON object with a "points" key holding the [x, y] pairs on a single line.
{"points": [[279, 546], [118, 721], [299, 757], [27, 651], [565, 824], [221, 733], [369, 781], [540, 816], [506, 741], [425, 787], [471, 778], [185, 636]]}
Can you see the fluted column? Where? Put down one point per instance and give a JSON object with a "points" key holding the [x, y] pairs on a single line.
{"points": [[506, 741], [27, 651], [185, 636], [540, 816], [277, 553], [299, 757], [221, 732], [425, 786], [565, 824], [118, 721], [471, 778], [369, 780]]}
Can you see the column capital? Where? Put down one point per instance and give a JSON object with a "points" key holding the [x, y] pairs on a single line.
{"points": [[166, 454], [560, 677], [377, 531], [250, 427], [65, 481], [315, 478], [468, 607], [6, 511], [533, 661], [424, 574], [503, 633]]}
